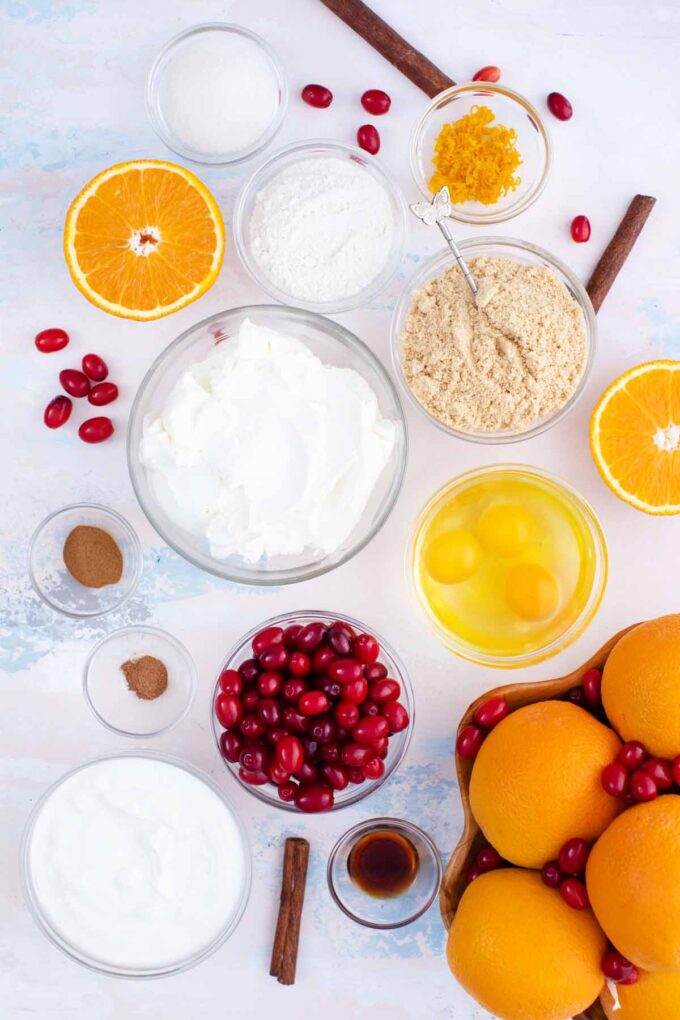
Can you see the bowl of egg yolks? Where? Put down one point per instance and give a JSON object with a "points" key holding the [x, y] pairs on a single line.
{"points": [[509, 565]]}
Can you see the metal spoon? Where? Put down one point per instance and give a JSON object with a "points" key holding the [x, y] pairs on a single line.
{"points": [[437, 212]]}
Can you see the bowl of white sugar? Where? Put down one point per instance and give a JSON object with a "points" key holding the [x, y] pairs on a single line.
{"points": [[216, 94], [321, 225]]}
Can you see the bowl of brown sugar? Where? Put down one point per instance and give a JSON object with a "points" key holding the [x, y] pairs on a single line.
{"points": [[84, 560]]}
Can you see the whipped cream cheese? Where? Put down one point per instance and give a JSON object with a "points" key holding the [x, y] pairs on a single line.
{"points": [[265, 450]]}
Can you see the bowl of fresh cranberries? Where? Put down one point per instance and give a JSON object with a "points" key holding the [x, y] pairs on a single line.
{"points": [[312, 711]]}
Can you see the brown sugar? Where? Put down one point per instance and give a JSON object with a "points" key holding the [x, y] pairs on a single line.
{"points": [[147, 677], [93, 557]]}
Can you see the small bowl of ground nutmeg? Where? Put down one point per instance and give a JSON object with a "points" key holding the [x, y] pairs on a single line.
{"points": [[488, 144], [84, 560], [501, 365], [139, 681]]}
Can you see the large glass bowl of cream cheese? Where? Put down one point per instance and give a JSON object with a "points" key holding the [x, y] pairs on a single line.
{"points": [[267, 445], [136, 865]]}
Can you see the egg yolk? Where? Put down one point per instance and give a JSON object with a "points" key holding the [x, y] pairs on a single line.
{"points": [[453, 557], [505, 528], [532, 591]]}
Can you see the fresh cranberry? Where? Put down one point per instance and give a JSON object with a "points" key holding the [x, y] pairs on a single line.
{"points": [[617, 968], [573, 856], [642, 786], [346, 628], [592, 687], [615, 779], [661, 772], [368, 139], [269, 684], [488, 73], [231, 682], [356, 691], [574, 893], [254, 758], [314, 797], [317, 95], [249, 670], [275, 734], [366, 649], [330, 751], [370, 729], [340, 641], [356, 775], [310, 748], [322, 730], [74, 382], [289, 754], [287, 791], [277, 774], [322, 659], [577, 697], [290, 636], [345, 671], [294, 720], [311, 637], [95, 368], [299, 664], [676, 769], [50, 340], [370, 707], [103, 393], [292, 689], [381, 691], [473, 872], [313, 703], [231, 744], [229, 710], [330, 687], [250, 700], [580, 229], [252, 727], [58, 412], [307, 773], [376, 102], [274, 657], [376, 671], [490, 712], [560, 106], [469, 742], [253, 778], [396, 716], [336, 775], [265, 639], [632, 755], [382, 746], [488, 859], [96, 430], [269, 711], [552, 875], [356, 755], [374, 769]]}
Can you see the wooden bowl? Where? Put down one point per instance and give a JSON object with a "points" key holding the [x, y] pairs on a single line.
{"points": [[516, 695]]}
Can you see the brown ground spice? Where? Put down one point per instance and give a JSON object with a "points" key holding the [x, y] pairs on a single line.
{"points": [[92, 557], [147, 677]]}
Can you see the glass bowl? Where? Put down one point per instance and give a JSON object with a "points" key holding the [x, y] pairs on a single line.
{"points": [[297, 153], [53, 582], [595, 554], [398, 743], [389, 912], [333, 344], [120, 709], [154, 104], [78, 954], [520, 251], [510, 109]]}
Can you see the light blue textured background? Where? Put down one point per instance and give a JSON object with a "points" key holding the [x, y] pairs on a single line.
{"points": [[71, 102]]}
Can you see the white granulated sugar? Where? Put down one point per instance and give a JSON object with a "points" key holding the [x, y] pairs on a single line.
{"points": [[322, 229], [218, 92]]}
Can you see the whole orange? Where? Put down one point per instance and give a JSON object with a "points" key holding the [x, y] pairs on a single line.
{"points": [[653, 997], [521, 952], [640, 688], [633, 879], [536, 781]]}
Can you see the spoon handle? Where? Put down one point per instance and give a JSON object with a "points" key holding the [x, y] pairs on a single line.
{"points": [[443, 226]]}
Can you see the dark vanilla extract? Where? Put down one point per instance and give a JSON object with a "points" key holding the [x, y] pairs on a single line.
{"points": [[383, 863]]}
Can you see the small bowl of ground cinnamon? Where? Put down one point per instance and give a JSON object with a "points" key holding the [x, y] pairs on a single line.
{"points": [[84, 560], [139, 681]]}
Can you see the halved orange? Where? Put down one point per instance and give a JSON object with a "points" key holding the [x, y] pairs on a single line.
{"points": [[144, 239], [635, 437]]}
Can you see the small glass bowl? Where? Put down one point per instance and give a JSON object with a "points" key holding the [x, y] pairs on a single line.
{"points": [[577, 505], [334, 345], [164, 130], [398, 743], [299, 152], [53, 582], [120, 709], [519, 251], [77, 954], [394, 911], [510, 109]]}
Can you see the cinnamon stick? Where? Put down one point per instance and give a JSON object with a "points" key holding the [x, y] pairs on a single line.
{"points": [[287, 936], [619, 248], [415, 65]]}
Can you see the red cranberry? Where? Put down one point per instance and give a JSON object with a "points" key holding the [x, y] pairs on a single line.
{"points": [[307, 773], [374, 769], [253, 778], [252, 727], [266, 638], [340, 641], [577, 697], [346, 628], [376, 671], [560, 106], [317, 95], [289, 754], [274, 657], [469, 742], [269, 684], [269, 711], [592, 687], [617, 968], [632, 755], [336, 775], [250, 700], [382, 746], [488, 859], [369, 707], [614, 779], [294, 720], [370, 729], [277, 774], [330, 687], [642, 786], [249, 670], [356, 775], [473, 872], [580, 229], [103, 393], [58, 412], [276, 734], [228, 710], [661, 772], [254, 758], [331, 751], [314, 797], [287, 791], [396, 716], [376, 102], [299, 664], [552, 875], [347, 714], [231, 744], [322, 659], [488, 73], [574, 893], [356, 755], [368, 139], [573, 856], [490, 712], [290, 636], [313, 703], [50, 340], [231, 682], [292, 689], [322, 730], [74, 382], [95, 368], [310, 748], [356, 691], [345, 671], [311, 637], [381, 691], [676, 769], [96, 430], [366, 649]]}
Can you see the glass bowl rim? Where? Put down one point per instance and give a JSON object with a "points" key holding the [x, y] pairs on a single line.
{"points": [[480, 219], [171, 639], [443, 259], [151, 96], [132, 537], [357, 831], [349, 341], [342, 149], [98, 966], [285, 619], [576, 627]]}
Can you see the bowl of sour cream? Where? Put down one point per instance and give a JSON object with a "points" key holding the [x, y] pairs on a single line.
{"points": [[267, 445]]}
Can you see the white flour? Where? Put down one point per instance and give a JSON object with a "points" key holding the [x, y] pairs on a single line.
{"points": [[321, 229]]}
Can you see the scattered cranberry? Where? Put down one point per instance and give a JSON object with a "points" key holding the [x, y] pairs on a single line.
{"points": [[488, 73], [573, 856], [95, 368], [369, 139], [376, 102], [58, 412], [469, 742], [592, 687], [318, 96], [632, 755], [50, 340], [314, 797], [577, 697], [574, 893], [615, 779], [618, 969], [580, 229], [676, 769], [474, 872], [560, 106], [490, 713], [552, 875], [661, 772], [642, 786], [488, 859], [103, 393], [74, 382], [96, 430]]}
